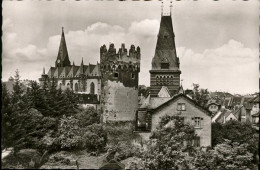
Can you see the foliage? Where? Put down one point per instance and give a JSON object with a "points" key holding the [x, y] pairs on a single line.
{"points": [[227, 155], [142, 89], [166, 149], [235, 131], [201, 96], [69, 135], [88, 117], [6, 112], [94, 138]]}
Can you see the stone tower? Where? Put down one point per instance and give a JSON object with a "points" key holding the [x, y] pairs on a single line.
{"points": [[63, 57], [119, 82], [165, 63]]}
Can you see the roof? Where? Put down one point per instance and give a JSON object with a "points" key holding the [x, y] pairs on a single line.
{"points": [[256, 114], [63, 52], [164, 92], [174, 98], [88, 98], [112, 164], [165, 47]]}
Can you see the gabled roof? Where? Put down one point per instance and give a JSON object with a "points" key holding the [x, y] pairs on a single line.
{"points": [[51, 72], [174, 98], [112, 164], [164, 92], [73, 71], [58, 71], [95, 71], [65, 71]]}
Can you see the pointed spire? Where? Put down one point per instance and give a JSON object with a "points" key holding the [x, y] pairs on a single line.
{"points": [[43, 71], [82, 67], [63, 57], [73, 63]]}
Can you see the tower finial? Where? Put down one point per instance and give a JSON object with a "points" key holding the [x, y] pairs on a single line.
{"points": [[162, 9], [171, 9], [43, 70], [62, 28], [181, 81]]}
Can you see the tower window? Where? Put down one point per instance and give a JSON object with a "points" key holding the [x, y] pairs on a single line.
{"points": [[164, 65], [116, 75], [132, 75]]}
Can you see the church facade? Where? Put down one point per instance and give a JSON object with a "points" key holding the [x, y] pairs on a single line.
{"points": [[82, 79]]}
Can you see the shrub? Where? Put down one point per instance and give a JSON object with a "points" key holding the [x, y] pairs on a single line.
{"points": [[88, 117], [94, 138], [69, 134]]}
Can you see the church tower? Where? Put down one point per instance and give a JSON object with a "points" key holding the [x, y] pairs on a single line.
{"points": [[63, 57], [165, 63]]}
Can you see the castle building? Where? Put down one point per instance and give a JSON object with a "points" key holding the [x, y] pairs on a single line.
{"points": [[119, 82], [83, 79]]}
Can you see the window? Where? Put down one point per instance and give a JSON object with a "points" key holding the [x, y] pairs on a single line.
{"points": [[92, 88], [196, 141], [116, 75], [197, 122], [181, 107], [132, 75], [164, 65], [76, 87]]}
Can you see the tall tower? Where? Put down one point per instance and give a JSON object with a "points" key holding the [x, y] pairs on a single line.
{"points": [[63, 57], [119, 82], [165, 63]]}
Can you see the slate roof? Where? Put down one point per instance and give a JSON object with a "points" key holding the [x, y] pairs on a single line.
{"points": [[174, 98]]}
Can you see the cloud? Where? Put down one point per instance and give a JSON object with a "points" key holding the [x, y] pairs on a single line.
{"points": [[231, 67]]}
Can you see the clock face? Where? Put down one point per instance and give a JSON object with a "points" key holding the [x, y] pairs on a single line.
{"points": [[58, 61]]}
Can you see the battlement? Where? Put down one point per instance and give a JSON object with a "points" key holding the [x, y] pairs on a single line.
{"points": [[134, 55]]}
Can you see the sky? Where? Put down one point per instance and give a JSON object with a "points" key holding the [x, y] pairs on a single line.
{"points": [[217, 41]]}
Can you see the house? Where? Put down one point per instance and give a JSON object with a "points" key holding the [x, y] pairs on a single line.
{"points": [[214, 107], [148, 118], [223, 116]]}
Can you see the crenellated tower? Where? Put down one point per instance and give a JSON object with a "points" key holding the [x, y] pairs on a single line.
{"points": [[119, 82]]}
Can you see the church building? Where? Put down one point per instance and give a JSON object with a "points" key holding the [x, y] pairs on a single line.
{"points": [[82, 79], [166, 93]]}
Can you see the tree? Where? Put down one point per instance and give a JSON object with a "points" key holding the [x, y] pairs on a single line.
{"points": [[6, 112], [201, 96], [235, 131], [228, 155], [166, 148], [88, 117]]}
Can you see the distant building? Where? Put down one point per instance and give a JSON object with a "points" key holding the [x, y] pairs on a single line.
{"points": [[214, 107], [10, 83], [83, 79]]}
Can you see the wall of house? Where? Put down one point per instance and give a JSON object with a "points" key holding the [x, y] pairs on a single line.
{"points": [[191, 111]]}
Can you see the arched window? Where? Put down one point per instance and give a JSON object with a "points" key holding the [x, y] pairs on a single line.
{"points": [[92, 88], [60, 85], [68, 85], [76, 87]]}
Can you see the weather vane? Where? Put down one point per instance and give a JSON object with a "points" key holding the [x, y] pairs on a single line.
{"points": [[171, 8], [162, 8]]}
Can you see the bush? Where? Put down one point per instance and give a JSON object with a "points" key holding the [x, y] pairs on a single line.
{"points": [[88, 117], [69, 133], [94, 138]]}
